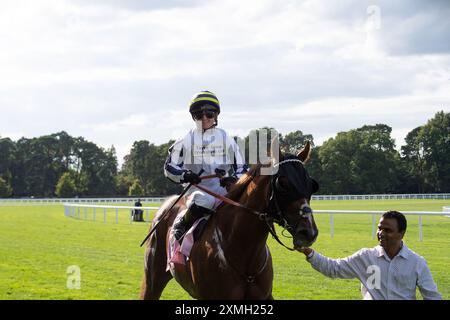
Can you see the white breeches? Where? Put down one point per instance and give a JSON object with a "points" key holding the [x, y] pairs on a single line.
{"points": [[202, 199]]}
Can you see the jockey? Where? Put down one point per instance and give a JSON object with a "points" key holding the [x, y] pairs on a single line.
{"points": [[204, 147]]}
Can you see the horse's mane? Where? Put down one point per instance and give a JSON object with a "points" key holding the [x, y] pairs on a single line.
{"points": [[239, 187]]}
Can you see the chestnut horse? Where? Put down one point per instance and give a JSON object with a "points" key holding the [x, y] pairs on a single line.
{"points": [[231, 259]]}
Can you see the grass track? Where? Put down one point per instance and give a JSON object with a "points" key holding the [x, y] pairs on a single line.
{"points": [[38, 244]]}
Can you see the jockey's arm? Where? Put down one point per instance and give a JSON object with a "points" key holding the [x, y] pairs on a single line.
{"points": [[173, 167]]}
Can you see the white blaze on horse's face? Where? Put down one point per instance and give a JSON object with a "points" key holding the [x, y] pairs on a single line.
{"points": [[306, 231], [306, 211]]}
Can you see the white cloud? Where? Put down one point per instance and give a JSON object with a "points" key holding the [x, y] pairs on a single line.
{"points": [[117, 71]]}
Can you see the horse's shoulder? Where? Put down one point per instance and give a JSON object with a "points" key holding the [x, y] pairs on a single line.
{"points": [[168, 203]]}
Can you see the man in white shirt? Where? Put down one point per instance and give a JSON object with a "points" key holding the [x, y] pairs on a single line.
{"points": [[389, 271]]}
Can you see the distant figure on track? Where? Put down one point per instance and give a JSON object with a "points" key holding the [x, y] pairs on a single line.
{"points": [[138, 214]]}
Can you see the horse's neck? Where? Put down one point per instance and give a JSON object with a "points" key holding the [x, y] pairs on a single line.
{"points": [[243, 229]]}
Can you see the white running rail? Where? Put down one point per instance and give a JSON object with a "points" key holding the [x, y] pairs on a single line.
{"points": [[161, 199], [376, 214], [80, 211], [58, 201]]}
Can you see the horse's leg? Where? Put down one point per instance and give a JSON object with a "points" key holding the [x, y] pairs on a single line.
{"points": [[155, 275]]}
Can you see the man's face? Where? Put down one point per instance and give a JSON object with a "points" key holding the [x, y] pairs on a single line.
{"points": [[388, 234]]}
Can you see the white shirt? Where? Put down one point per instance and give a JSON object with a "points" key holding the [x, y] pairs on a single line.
{"points": [[382, 278]]}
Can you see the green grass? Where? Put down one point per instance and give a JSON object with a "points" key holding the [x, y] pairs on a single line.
{"points": [[38, 244]]}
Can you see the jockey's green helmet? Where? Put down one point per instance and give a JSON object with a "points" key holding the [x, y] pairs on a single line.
{"points": [[204, 99]]}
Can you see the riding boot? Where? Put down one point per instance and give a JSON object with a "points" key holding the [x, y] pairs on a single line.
{"points": [[192, 214]]}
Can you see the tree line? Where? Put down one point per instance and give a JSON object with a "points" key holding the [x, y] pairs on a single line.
{"points": [[359, 161]]}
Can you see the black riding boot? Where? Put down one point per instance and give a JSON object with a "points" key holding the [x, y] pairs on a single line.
{"points": [[192, 214]]}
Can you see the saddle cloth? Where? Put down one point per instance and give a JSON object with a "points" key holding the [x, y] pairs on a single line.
{"points": [[179, 253]]}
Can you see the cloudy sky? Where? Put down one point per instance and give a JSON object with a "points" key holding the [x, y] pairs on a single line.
{"points": [[117, 71]]}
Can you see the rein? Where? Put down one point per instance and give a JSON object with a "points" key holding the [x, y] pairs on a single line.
{"points": [[261, 215], [250, 279]]}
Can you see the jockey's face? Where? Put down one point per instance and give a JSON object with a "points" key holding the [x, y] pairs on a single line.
{"points": [[207, 122], [207, 118]]}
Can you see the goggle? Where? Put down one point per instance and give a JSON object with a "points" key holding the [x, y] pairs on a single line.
{"points": [[207, 113]]}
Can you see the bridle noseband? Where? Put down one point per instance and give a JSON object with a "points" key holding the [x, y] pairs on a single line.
{"points": [[274, 212]]}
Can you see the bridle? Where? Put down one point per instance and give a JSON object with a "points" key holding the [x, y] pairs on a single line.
{"points": [[273, 212]]}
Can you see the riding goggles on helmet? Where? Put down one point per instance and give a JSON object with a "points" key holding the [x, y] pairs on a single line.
{"points": [[205, 110]]}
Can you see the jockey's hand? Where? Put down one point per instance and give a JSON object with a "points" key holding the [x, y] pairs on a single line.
{"points": [[227, 182], [220, 172], [191, 177]]}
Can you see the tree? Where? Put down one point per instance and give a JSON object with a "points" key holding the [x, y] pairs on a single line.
{"points": [[123, 184], [159, 184], [335, 156], [39, 163], [7, 153], [7, 160], [136, 189], [360, 161], [427, 153], [35, 172], [294, 141], [436, 139], [375, 160], [146, 164], [95, 168], [5, 189], [65, 187], [363, 160], [414, 161], [36, 165]]}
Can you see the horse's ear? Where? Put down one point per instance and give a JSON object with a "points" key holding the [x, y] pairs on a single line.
{"points": [[305, 153]]}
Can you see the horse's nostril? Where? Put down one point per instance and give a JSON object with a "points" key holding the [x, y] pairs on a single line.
{"points": [[304, 233], [307, 234]]}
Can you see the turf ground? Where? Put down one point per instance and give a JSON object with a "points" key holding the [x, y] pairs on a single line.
{"points": [[39, 243]]}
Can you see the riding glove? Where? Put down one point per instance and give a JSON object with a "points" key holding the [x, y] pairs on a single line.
{"points": [[227, 182], [191, 177]]}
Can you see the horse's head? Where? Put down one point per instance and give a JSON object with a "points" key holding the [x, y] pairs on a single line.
{"points": [[291, 191]]}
